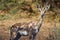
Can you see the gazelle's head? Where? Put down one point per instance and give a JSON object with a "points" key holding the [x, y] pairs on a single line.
{"points": [[43, 9]]}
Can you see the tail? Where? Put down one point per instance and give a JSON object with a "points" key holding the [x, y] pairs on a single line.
{"points": [[11, 33]]}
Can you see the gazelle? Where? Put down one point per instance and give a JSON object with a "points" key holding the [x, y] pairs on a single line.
{"points": [[29, 29]]}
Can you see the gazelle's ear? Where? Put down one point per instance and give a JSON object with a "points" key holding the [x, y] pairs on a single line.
{"points": [[46, 7], [39, 8], [37, 5]]}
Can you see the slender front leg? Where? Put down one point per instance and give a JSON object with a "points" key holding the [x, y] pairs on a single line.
{"points": [[17, 36], [32, 37]]}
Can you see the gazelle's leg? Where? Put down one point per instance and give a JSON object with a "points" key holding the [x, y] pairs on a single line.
{"points": [[30, 37], [34, 33], [17, 36], [20, 33], [34, 37]]}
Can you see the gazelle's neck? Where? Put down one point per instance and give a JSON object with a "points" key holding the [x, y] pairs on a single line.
{"points": [[40, 21], [42, 11]]}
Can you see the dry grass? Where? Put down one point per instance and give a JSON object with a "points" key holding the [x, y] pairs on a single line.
{"points": [[48, 30]]}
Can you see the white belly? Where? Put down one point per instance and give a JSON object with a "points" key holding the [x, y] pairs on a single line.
{"points": [[23, 32]]}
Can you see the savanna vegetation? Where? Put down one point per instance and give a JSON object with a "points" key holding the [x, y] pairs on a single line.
{"points": [[19, 11]]}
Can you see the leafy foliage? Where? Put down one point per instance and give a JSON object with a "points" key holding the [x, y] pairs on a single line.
{"points": [[12, 6]]}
